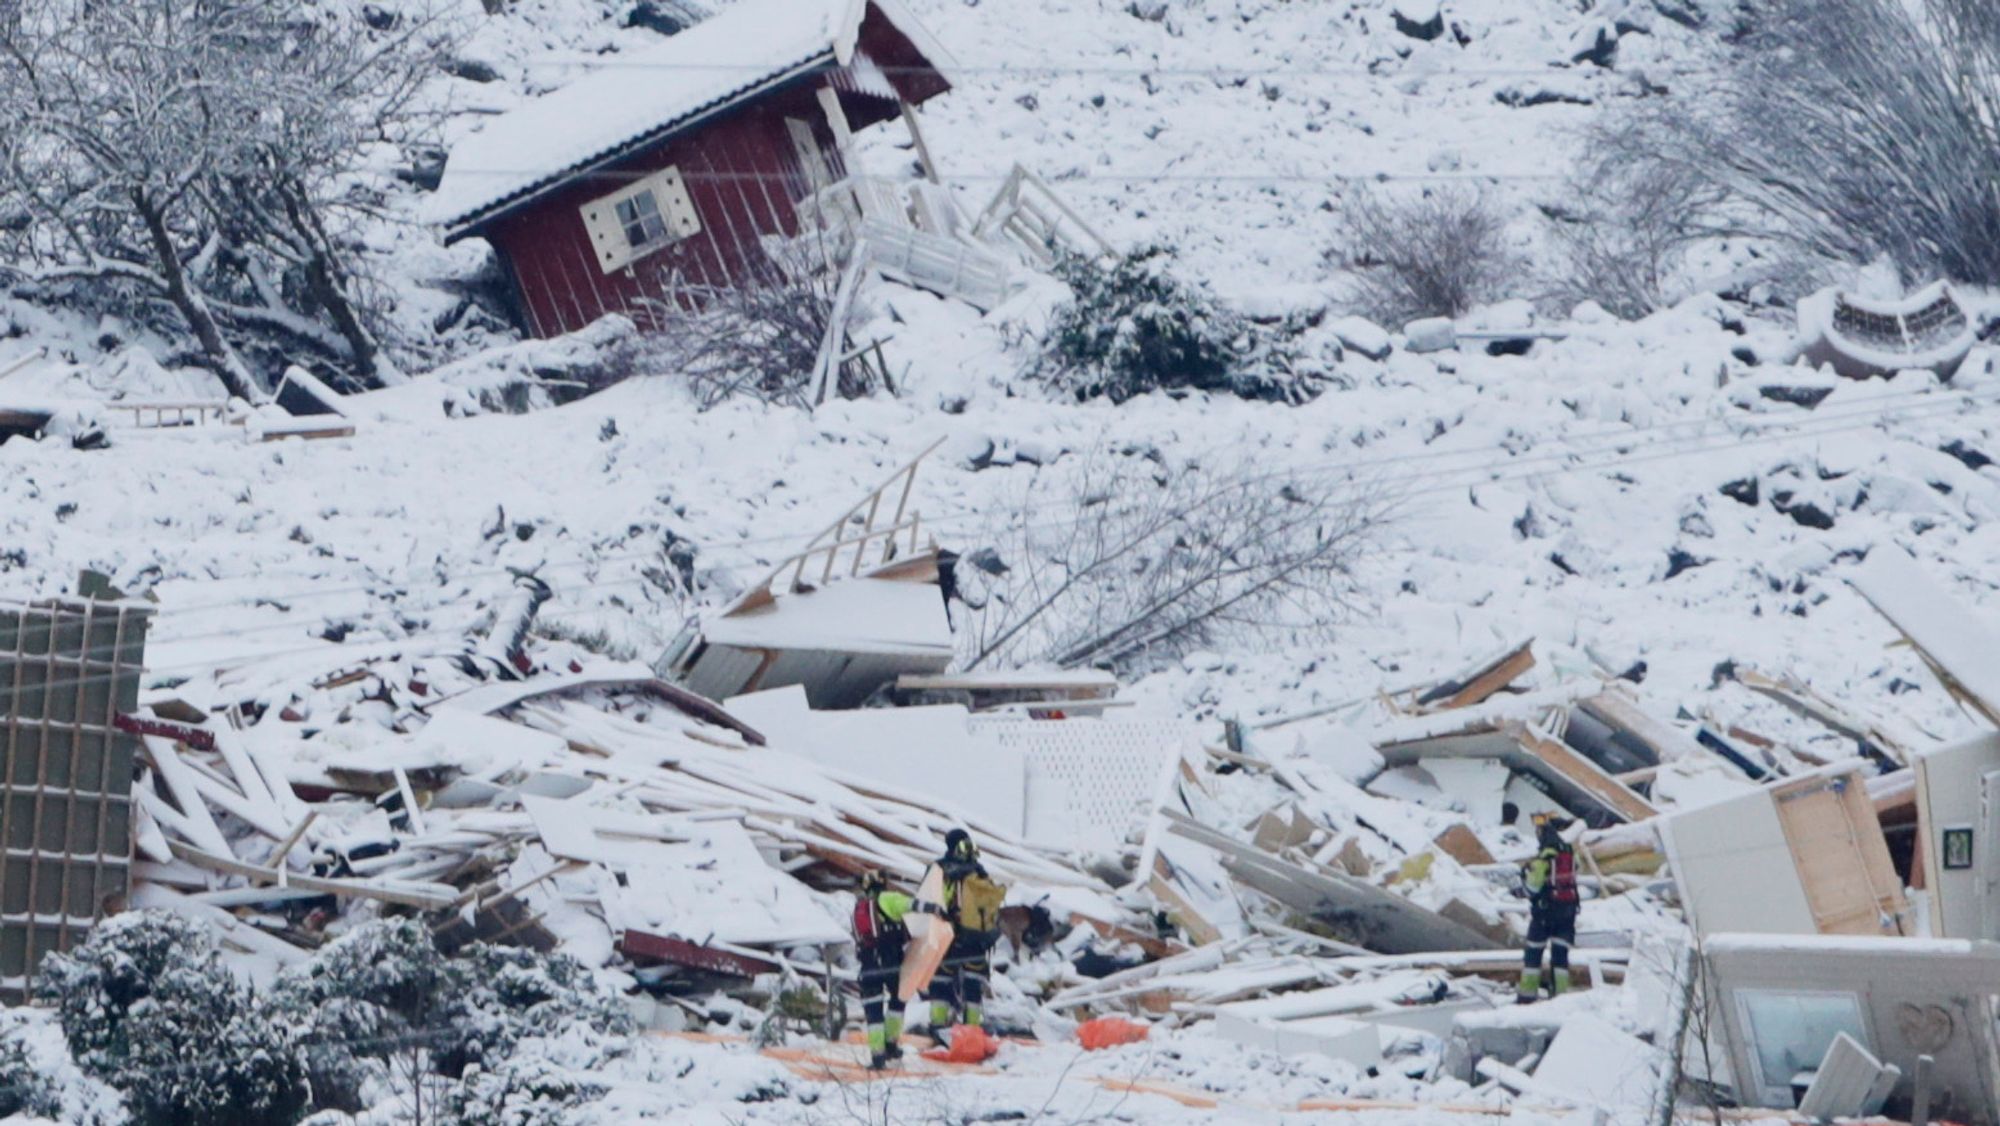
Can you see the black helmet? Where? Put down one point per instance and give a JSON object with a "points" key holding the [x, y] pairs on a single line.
{"points": [[872, 882], [958, 845]]}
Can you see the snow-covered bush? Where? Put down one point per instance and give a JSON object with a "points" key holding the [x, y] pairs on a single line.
{"points": [[22, 1088], [1135, 326], [525, 1091], [38, 1079], [147, 1005], [1433, 254], [382, 995], [1849, 130]]}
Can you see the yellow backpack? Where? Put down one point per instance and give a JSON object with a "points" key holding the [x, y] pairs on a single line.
{"points": [[979, 901]]}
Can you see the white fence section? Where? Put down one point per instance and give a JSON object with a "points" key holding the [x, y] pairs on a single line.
{"points": [[1091, 782], [938, 263], [1027, 212]]}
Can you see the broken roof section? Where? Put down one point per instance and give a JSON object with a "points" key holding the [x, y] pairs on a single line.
{"points": [[1550, 749], [1780, 1003], [860, 606], [1954, 640], [644, 96]]}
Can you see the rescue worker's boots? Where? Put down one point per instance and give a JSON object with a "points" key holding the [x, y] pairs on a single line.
{"points": [[1531, 988], [941, 1023], [974, 1016], [892, 1037], [878, 1047], [1560, 984]]}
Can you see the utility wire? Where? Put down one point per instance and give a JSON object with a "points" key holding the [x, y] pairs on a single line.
{"points": [[1614, 436], [1884, 407], [1527, 467]]}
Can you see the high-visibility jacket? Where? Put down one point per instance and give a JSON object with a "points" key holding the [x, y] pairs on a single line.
{"points": [[1550, 876], [879, 935]]}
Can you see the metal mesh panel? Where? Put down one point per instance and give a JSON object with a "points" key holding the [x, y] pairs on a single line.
{"points": [[1089, 780], [68, 669]]}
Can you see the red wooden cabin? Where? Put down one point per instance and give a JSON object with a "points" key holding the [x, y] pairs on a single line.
{"points": [[683, 159]]}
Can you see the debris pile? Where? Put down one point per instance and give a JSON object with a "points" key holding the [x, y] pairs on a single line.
{"points": [[1355, 883]]}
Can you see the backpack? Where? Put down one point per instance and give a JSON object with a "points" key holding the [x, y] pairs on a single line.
{"points": [[867, 932], [979, 901], [1562, 877]]}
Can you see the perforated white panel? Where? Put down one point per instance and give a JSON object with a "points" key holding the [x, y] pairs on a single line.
{"points": [[1089, 780]]}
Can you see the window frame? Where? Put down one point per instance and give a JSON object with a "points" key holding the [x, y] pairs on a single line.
{"points": [[1780, 1087], [672, 209]]}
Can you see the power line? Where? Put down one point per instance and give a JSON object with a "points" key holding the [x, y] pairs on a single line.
{"points": [[1882, 406], [1134, 70], [1859, 416], [1120, 178], [1612, 436]]}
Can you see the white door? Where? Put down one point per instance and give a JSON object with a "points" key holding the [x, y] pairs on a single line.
{"points": [[1986, 855]]}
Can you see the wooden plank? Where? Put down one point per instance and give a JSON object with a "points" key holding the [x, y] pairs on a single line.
{"points": [[1582, 773], [1181, 911], [424, 896], [1463, 845], [1842, 859], [680, 952], [1482, 683]]}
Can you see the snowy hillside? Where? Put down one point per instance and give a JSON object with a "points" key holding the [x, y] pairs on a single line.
{"points": [[1547, 495], [1653, 498]]}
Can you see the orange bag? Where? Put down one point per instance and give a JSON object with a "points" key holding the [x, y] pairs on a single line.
{"points": [[1109, 1032], [969, 1044]]}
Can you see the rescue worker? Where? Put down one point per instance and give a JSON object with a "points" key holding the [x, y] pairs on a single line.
{"points": [[879, 939], [1550, 881], [957, 992]]}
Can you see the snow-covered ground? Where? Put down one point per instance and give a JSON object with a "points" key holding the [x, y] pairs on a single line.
{"points": [[1575, 494]]}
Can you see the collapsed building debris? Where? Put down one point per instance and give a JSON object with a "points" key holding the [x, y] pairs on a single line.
{"points": [[1780, 1003], [860, 606], [1862, 337], [1347, 893], [1802, 856], [1540, 753]]}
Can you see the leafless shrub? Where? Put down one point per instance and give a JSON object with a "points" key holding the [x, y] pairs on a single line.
{"points": [[1852, 130], [1146, 562], [1625, 228], [760, 335], [1437, 253]]}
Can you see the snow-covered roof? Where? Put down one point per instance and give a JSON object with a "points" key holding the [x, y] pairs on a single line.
{"points": [[645, 93]]}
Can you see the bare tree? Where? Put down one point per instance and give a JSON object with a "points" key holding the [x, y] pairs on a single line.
{"points": [[1145, 562], [1432, 254], [1850, 129], [339, 88], [176, 148]]}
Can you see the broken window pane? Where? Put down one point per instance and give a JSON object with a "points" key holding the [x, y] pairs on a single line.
{"points": [[1790, 1032], [639, 215]]}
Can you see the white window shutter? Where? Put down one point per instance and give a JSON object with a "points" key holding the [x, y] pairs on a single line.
{"points": [[607, 234]]}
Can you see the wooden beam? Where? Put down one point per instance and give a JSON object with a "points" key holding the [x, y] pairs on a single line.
{"points": [[423, 896], [1484, 683], [1582, 773], [923, 150], [680, 952]]}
